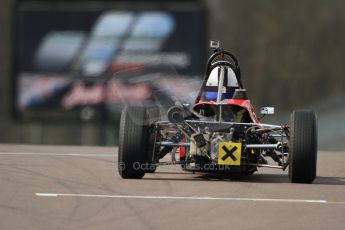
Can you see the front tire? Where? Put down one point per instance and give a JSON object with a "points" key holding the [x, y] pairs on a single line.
{"points": [[303, 146], [132, 145]]}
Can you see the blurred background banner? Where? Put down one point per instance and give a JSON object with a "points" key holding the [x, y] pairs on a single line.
{"points": [[68, 67], [75, 59]]}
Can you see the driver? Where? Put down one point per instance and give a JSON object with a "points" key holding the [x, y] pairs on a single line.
{"points": [[230, 81]]}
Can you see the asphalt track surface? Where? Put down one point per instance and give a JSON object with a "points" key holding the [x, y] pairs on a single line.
{"points": [[52, 187]]}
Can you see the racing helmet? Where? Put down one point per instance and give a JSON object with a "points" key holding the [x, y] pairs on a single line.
{"points": [[230, 80]]}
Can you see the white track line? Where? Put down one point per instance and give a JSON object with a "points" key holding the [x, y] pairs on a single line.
{"points": [[57, 154], [182, 198]]}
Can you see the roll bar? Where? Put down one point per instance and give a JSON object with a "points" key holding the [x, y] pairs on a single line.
{"points": [[211, 64]]}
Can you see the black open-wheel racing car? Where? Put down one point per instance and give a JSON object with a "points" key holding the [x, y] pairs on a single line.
{"points": [[219, 133]]}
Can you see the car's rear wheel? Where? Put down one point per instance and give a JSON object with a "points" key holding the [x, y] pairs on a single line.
{"points": [[303, 146], [133, 134]]}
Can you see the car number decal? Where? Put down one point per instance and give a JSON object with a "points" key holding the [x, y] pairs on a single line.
{"points": [[229, 153]]}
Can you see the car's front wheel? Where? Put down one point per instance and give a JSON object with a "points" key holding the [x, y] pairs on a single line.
{"points": [[303, 146], [132, 146]]}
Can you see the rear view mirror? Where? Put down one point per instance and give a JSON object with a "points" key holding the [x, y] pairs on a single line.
{"points": [[267, 110]]}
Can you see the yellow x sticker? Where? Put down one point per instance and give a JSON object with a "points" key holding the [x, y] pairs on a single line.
{"points": [[229, 153]]}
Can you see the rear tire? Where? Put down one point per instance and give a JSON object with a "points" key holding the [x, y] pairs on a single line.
{"points": [[132, 145], [303, 146]]}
